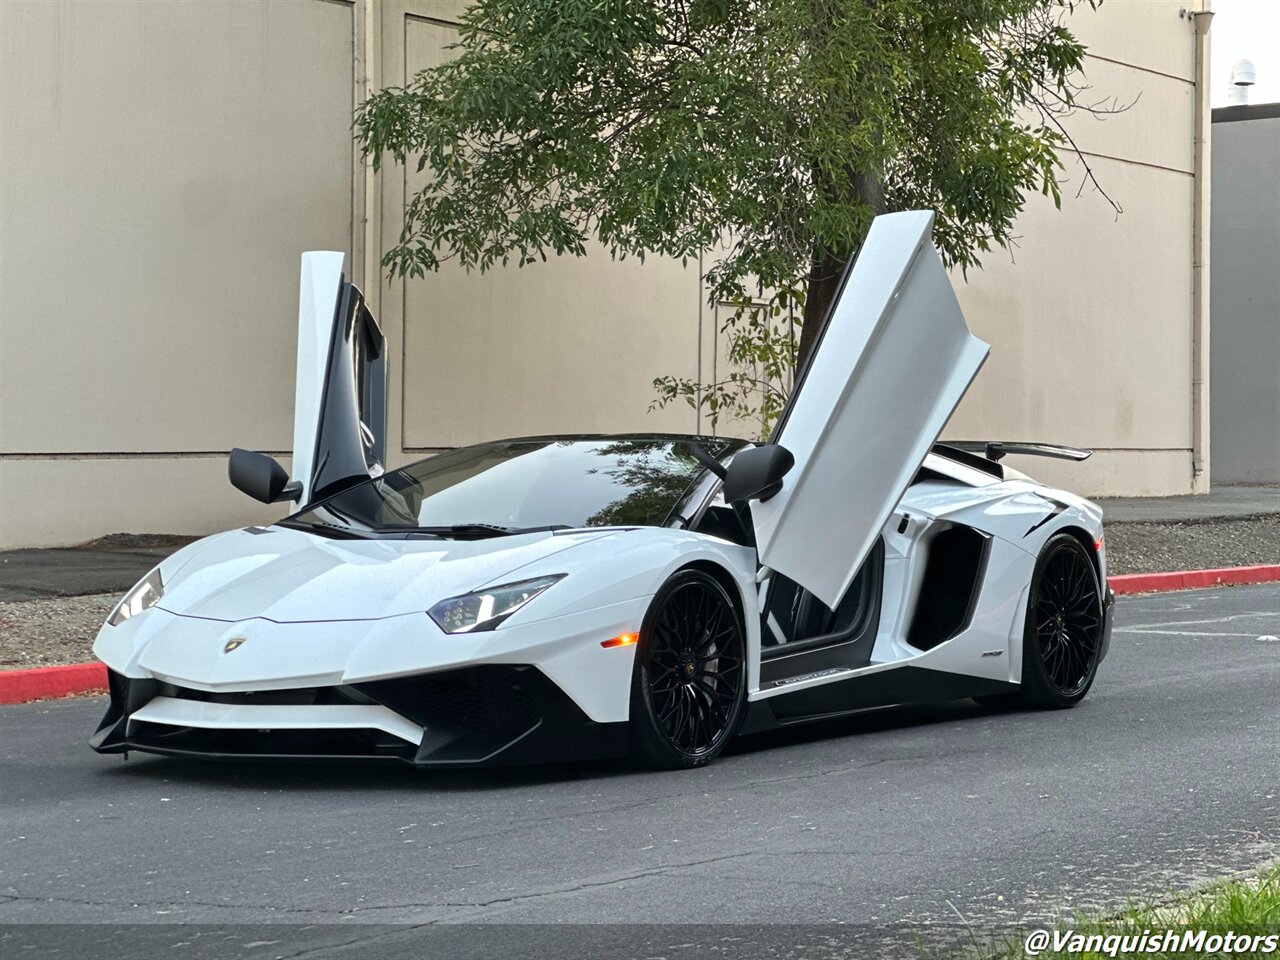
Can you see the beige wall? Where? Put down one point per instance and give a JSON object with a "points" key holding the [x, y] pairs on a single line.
{"points": [[1090, 317], [571, 345], [162, 166]]}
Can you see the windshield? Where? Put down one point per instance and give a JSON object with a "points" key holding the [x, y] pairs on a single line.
{"points": [[515, 485]]}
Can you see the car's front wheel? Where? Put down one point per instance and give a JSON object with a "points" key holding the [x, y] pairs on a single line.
{"points": [[689, 686]]}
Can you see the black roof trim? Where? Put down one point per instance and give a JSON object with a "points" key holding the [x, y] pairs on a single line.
{"points": [[1246, 111], [734, 443]]}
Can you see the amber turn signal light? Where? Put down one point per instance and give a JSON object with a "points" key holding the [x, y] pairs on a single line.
{"points": [[621, 640]]}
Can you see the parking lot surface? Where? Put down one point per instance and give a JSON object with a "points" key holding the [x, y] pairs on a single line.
{"points": [[1167, 775]]}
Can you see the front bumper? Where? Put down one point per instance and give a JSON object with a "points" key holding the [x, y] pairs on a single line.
{"points": [[494, 714]]}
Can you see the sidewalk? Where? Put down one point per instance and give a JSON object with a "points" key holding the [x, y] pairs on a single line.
{"points": [[1219, 504]]}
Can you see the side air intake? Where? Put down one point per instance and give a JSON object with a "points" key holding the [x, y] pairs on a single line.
{"points": [[952, 575]]}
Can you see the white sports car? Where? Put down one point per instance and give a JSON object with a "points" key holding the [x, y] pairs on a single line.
{"points": [[564, 597]]}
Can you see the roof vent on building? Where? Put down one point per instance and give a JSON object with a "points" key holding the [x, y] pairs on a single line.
{"points": [[1243, 76]]}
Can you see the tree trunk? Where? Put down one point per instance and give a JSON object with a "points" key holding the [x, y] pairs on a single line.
{"points": [[827, 270], [824, 280]]}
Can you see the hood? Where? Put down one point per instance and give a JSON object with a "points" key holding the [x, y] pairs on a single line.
{"points": [[290, 576]]}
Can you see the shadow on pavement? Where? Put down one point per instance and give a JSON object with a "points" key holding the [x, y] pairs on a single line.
{"points": [[392, 775]]}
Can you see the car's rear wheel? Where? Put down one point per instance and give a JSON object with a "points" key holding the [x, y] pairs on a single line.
{"points": [[1063, 633], [689, 687]]}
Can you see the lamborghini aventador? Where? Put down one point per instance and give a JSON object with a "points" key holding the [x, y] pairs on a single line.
{"points": [[561, 597]]}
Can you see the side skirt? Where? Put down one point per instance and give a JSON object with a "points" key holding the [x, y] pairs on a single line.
{"points": [[905, 685]]}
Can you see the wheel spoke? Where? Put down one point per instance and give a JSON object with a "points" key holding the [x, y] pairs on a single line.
{"points": [[667, 714], [716, 657]]}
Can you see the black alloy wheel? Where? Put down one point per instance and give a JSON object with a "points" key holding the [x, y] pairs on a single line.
{"points": [[689, 687]]}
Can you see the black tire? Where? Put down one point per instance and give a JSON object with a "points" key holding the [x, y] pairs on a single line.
{"points": [[1063, 633], [689, 685]]}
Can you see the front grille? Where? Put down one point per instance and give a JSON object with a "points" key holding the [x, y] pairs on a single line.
{"points": [[249, 744], [299, 697], [489, 700]]}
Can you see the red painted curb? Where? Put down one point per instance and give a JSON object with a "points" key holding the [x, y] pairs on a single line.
{"points": [[43, 683], [1191, 579]]}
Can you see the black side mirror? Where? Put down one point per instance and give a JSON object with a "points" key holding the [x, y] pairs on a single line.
{"points": [[261, 477], [756, 474]]}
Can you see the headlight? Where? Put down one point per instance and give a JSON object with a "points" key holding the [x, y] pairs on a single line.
{"points": [[145, 595], [485, 609]]}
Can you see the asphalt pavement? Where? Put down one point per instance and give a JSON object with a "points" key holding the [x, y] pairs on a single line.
{"points": [[37, 573], [904, 820]]}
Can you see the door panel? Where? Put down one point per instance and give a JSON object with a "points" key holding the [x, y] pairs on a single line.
{"points": [[340, 402], [894, 359]]}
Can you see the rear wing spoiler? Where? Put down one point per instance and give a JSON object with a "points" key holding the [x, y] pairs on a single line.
{"points": [[997, 450]]}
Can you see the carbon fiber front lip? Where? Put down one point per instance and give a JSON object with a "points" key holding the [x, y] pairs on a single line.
{"points": [[479, 726]]}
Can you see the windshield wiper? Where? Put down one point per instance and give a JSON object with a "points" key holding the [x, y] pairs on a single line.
{"points": [[324, 529], [477, 531]]}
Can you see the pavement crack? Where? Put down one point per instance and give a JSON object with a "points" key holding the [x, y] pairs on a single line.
{"points": [[560, 891], [365, 940], [440, 905]]}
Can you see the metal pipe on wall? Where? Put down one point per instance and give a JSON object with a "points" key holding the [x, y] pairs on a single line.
{"points": [[1200, 463]]}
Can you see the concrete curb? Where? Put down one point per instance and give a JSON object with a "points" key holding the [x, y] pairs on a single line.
{"points": [[45, 683], [1191, 579]]}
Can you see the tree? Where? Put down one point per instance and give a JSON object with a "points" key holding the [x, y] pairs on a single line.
{"points": [[766, 132]]}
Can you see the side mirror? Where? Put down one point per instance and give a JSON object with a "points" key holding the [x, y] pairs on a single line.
{"points": [[756, 474], [260, 477]]}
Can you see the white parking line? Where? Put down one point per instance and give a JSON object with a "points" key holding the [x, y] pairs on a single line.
{"points": [[1183, 633], [1189, 623]]}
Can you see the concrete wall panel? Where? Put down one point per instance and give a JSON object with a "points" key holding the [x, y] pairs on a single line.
{"points": [[68, 501], [1155, 125], [570, 345], [163, 167], [1089, 319], [1152, 34]]}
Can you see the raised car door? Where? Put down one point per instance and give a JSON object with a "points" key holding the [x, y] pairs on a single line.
{"points": [[894, 359], [340, 398]]}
